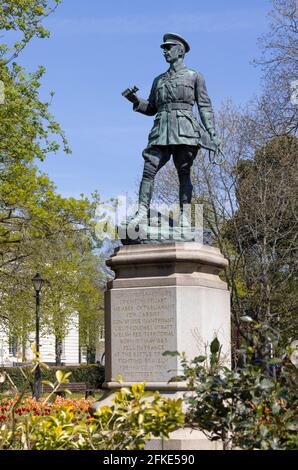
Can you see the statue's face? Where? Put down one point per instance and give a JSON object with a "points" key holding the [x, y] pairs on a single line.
{"points": [[172, 52]]}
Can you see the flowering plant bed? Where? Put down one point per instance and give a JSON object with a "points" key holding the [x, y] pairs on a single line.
{"points": [[30, 407], [66, 424]]}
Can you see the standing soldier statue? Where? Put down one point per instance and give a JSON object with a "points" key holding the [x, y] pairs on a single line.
{"points": [[175, 131]]}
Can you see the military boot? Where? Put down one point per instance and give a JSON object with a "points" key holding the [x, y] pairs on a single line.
{"points": [[145, 194], [185, 194]]}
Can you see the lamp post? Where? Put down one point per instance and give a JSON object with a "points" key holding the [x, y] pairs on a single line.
{"points": [[37, 283]]}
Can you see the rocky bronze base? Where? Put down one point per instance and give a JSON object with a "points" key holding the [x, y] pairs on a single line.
{"points": [[158, 231]]}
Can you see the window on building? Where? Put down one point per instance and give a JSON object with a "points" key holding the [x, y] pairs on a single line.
{"points": [[13, 345]]}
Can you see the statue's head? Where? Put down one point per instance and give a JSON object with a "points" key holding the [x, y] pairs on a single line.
{"points": [[174, 47]]}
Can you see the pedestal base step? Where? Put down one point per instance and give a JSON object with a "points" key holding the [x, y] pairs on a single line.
{"points": [[184, 439]]}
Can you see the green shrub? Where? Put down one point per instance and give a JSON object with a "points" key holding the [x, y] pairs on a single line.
{"points": [[249, 407], [134, 418]]}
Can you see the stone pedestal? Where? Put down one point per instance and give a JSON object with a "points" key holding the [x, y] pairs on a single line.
{"points": [[165, 297]]}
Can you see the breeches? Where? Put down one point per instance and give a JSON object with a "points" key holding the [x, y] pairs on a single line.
{"points": [[183, 156], [157, 156]]}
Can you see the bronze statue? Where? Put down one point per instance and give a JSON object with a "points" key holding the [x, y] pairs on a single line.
{"points": [[176, 131]]}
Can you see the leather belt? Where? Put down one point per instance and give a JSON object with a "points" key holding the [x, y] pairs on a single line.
{"points": [[175, 106]]}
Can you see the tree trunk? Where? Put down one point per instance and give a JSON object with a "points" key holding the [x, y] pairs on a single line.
{"points": [[58, 351], [24, 343]]}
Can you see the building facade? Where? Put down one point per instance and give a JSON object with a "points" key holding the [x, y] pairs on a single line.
{"points": [[72, 354], [11, 351]]}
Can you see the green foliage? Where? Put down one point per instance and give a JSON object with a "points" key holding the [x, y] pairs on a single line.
{"points": [[126, 425], [39, 229], [92, 375], [31, 212], [263, 231], [250, 205], [27, 128], [134, 417], [89, 299], [249, 407], [75, 284], [24, 18], [42, 229]]}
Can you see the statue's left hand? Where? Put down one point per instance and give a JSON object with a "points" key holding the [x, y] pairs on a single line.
{"points": [[214, 138]]}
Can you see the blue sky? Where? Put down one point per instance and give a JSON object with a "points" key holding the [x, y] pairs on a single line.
{"points": [[97, 49]]}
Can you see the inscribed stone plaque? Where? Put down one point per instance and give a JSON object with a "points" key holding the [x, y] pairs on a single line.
{"points": [[143, 324]]}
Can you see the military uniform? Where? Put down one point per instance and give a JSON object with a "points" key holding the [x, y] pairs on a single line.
{"points": [[172, 98], [175, 131]]}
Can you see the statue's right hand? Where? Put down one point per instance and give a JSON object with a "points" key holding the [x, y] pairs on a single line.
{"points": [[130, 95]]}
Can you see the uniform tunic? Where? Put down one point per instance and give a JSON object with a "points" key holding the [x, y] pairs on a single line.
{"points": [[172, 97]]}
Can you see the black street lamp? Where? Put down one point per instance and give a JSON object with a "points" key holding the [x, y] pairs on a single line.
{"points": [[37, 283]]}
